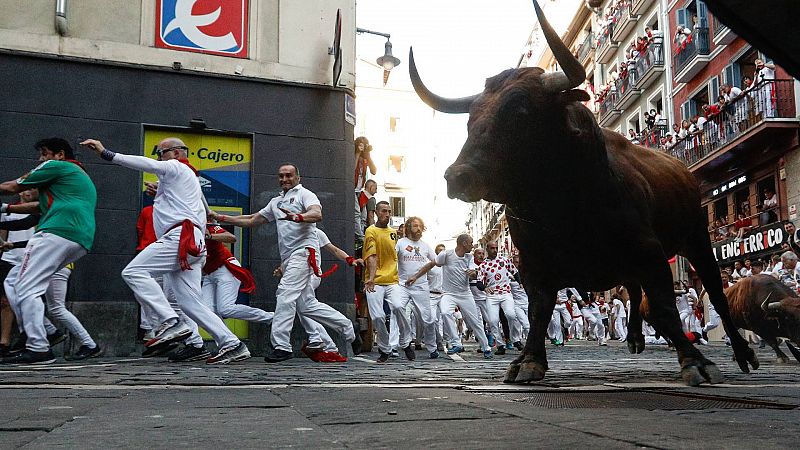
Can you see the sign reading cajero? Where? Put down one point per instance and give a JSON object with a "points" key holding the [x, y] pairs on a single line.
{"points": [[758, 242]]}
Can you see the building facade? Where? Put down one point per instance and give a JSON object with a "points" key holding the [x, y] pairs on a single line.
{"points": [[248, 84]]}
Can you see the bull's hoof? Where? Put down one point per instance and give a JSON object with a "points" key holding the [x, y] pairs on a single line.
{"points": [[511, 373], [691, 376], [749, 357], [635, 343], [783, 359], [712, 373], [530, 371]]}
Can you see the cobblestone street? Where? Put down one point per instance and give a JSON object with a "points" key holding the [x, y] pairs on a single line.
{"points": [[603, 397]]}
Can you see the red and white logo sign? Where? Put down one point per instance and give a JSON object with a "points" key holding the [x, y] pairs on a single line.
{"points": [[217, 27]]}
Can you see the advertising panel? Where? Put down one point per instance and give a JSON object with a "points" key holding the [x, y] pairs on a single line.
{"points": [[216, 27]]}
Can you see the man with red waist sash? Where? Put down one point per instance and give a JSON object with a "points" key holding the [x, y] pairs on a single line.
{"points": [[179, 221]]}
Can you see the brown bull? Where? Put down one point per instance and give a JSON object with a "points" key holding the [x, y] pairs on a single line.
{"points": [[533, 146], [768, 308]]}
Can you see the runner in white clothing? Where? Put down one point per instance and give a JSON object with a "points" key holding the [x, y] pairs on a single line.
{"points": [[179, 221], [295, 212], [620, 322], [496, 274], [456, 273], [560, 319], [435, 285]]}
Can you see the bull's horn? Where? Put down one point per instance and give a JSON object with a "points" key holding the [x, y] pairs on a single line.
{"points": [[445, 105], [573, 72], [765, 303]]}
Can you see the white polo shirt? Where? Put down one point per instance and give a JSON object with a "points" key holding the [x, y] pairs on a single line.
{"points": [[454, 271], [292, 236], [411, 256]]}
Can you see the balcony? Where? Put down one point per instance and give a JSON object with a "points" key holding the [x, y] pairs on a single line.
{"points": [[652, 138], [639, 7], [606, 47], [625, 22], [586, 49], [608, 111], [722, 34], [627, 92], [650, 66], [759, 119], [691, 56]]}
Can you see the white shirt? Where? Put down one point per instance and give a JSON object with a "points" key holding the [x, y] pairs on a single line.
{"points": [[477, 294], [292, 236], [14, 256], [765, 73], [178, 196], [454, 271], [322, 238], [520, 296], [682, 302], [435, 280], [497, 274], [619, 308], [411, 256]]}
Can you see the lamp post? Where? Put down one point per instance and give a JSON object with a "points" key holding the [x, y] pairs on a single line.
{"points": [[387, 61]]}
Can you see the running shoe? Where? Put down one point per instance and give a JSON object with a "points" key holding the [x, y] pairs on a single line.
{"points": [[278, 355], [501, 350], [487, 354], [383, 357], [230, 354], [30, 357], [409, 351], [170, 333], [509, 346], [434, 355], [394, 353], [455, 349], [189, 353], [518, 345], [56, 338], [159, 350], [315, 347], [85, 352]]}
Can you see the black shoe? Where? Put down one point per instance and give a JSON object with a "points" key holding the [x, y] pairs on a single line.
{"points": [[278, 355], [159, 350], [383, 358], [188, 353], [356, 344], [501, 350], [85, 352], [29, 357], [417, 346], [518, 345], [18, 345], [56, 338], [409, 351], [434, 355]]}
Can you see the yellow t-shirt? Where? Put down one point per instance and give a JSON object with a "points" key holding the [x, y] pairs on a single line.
{"points": [[381, 242]]}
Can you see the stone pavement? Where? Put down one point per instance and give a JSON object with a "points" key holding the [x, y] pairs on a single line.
{"points": [[592, 396]]}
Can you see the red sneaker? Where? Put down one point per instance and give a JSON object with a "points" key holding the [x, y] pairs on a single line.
{"points": [[330, 357]]}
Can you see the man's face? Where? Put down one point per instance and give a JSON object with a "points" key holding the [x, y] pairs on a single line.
{"points": [[31, 195], [372, 188], [789, 263], [383, 213], [479, 255], [168, 150], [757, 270], [287, 177], [789, 227], [737, 265], [46, 154], [414, 230], [440, 248], [491, 250]]}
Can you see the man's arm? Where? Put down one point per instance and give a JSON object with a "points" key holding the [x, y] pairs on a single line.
{"points": [[222, 236], [21, 224], [244, 221], [20, 208], [312, 215], [342, 255], [372, 265], [11, 187], [142, 163], [422, 271]]}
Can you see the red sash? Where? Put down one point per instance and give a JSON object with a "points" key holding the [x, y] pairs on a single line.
{"points": [[187, 245], [312, 262], [240, 273]]}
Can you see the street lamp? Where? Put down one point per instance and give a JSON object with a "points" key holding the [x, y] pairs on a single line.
{"points": [[387, 61]]}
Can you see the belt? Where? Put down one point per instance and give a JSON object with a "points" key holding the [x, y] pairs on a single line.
{"points": [[436, 292]]}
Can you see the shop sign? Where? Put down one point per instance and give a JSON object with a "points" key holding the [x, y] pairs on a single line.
{"points": [[216, 27], [725, 187], [760, 241]]}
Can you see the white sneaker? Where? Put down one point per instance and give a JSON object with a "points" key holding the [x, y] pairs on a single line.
{"points": [[602, 342], [170, 333], [149, 334], [702, 341]]}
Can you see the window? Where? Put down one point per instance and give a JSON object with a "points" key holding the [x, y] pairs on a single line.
{"points": [[742, 199], [698, 100], [721, 208], [713, 90], [732, 75], [398, 205]]}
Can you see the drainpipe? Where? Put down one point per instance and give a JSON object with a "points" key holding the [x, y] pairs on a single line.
{"points": [[61, 17]]}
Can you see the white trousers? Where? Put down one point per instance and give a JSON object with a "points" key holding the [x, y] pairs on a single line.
{"points": [[470, 314], [420, 301], [56, 297], [594, 322], [576, 328], [620, 328], [712, 321], [483, 314], [685, 320], [390, 293], [220, 291], [436, 313], [45, 255], [560, 319], [161, 258], [521, 326], [295, 295], [493, 304]]}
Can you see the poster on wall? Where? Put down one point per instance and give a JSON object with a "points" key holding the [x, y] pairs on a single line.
{"points": [[216, 27]]}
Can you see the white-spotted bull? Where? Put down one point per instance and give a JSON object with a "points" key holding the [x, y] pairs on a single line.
{"points": [[768, 308], [533, 146]]}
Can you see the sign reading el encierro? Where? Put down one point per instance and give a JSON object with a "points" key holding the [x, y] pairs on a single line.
{"points": [[758, 242]]}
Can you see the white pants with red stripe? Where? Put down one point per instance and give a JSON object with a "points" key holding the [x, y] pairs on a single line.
{"points": [[45, 255], [161, 258], [295, 295]]}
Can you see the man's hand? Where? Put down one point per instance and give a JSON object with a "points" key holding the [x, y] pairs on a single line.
{"points": [[3, 207], [358, 262], [6, 246], [369, 286], [213, 216], [278, 272], [151, 188], [411, 280], [291, 216], [471, 274], [95, 145]]}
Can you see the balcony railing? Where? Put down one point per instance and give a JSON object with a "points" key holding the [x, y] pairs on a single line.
{"points": [[653, 57], [608, 104], [626, 83], [695, 44], [605, 36], [769, 99], [624, 21], [719, 27], [586, 47], [652, 138]]}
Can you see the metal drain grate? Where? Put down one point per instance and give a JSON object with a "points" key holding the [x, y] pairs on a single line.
{"points": [[637, 400]]}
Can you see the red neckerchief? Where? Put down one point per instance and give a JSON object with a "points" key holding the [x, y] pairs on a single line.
{"points": [[77, 163], [186, 161]]}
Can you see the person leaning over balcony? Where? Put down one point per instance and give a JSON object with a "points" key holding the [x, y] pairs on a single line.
{"points": [[764, 80], [768, 214]]}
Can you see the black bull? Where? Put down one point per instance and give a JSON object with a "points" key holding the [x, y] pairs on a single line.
{"points": [[585, 207]]}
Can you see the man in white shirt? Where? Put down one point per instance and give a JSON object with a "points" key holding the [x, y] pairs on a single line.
{"points": [[591, 314], [560, 319], [435, 285], [789, 273], [478, 255], [682, 303], [620, 316], [456, 272], [179, 221], [496, 274], [764, 80], [295, 212], [412, 255]]}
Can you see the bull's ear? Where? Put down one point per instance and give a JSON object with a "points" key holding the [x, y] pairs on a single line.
{"points": [[574, 95]]}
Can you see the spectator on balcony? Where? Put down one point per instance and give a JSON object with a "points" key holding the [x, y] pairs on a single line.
{"points": [[676, 130], [682, 35], [770, 203], [649, 120], [792, 236], [721, 226], [764, 80], [656, 115], [648, 34], [633, 137], [742, 225]]}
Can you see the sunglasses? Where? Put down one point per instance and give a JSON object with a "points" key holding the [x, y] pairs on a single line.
{"points": [[161, 151]]}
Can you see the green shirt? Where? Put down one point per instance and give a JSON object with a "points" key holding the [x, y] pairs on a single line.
{"points": [[67, 199]]}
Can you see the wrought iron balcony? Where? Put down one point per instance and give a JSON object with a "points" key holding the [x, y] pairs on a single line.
{"points": [[586, 48], [605, 45], [608, 110], [650, 65], [691, 55], [722, 34]]}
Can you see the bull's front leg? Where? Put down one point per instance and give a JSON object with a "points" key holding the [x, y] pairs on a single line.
{"points": [[531, 364]]}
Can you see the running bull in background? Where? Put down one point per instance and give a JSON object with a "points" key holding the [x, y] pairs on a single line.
{"points": [[533, 146]]}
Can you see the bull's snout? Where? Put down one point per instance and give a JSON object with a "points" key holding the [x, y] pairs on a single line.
{"points": [[461, 182]]}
